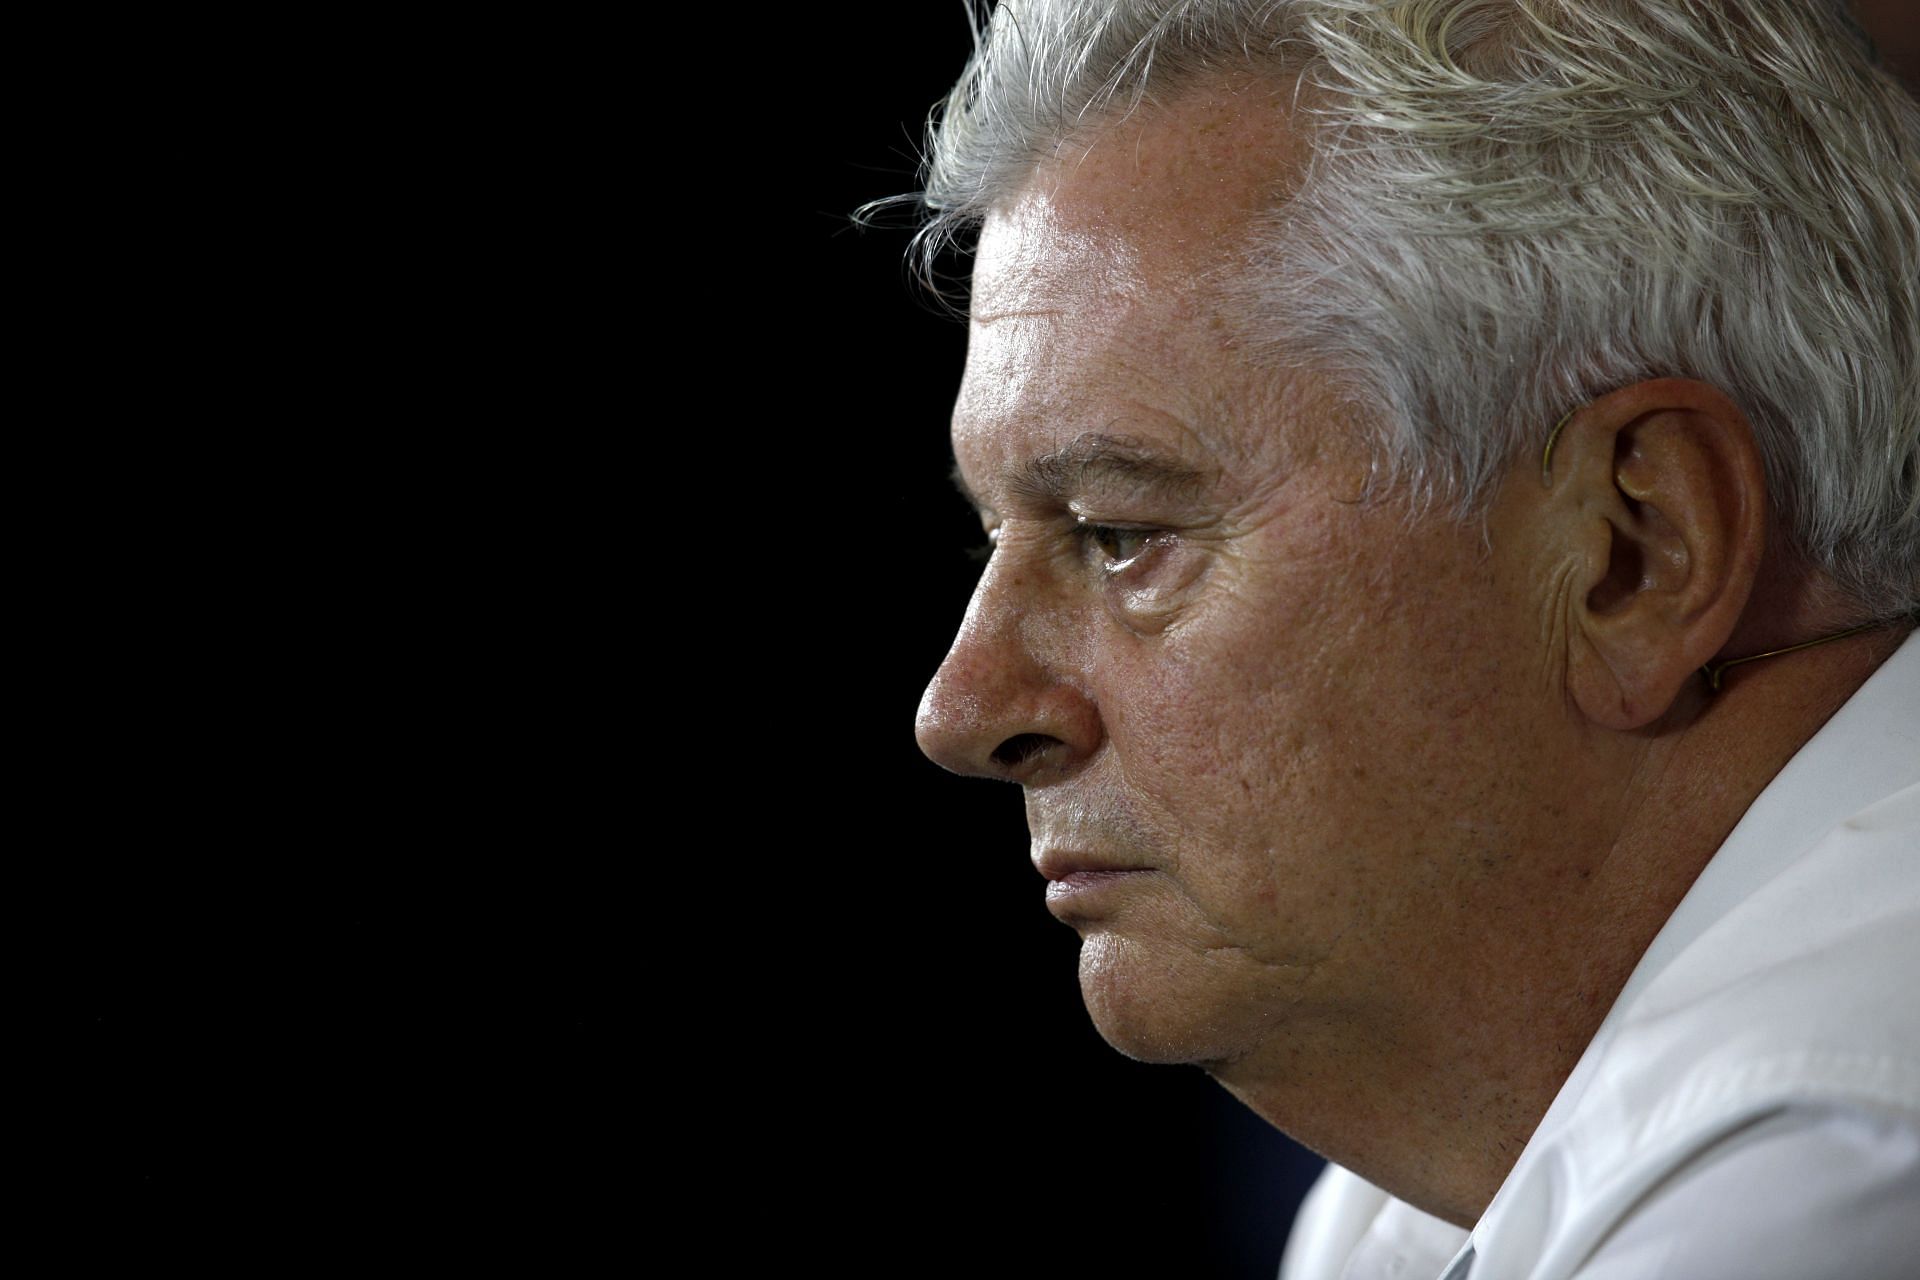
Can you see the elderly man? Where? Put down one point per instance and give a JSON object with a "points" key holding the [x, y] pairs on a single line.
{"points": [[1453, 478]]}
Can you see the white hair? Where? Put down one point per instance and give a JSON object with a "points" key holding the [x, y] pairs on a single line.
{"points": [[1516, 206]]}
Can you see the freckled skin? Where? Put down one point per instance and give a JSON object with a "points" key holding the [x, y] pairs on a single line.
{"points": [[1394, 872]]}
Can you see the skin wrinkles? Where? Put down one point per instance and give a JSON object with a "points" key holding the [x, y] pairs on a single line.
{"points": [[1108, 463], [1407, 807], [1107, 477], [1279, 518], [1552, 672]]}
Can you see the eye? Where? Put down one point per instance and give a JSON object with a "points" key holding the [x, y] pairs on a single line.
{"points": [[1116, 544]]}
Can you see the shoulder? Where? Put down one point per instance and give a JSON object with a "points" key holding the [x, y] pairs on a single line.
{"points": [[1758, 1078], [1799, 1192], [1765, 1071]]}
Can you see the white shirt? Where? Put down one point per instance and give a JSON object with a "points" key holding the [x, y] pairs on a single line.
{"points": [[1750, 1107]]}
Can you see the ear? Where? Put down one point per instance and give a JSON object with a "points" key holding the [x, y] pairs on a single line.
{"points": [[1660, 492]]}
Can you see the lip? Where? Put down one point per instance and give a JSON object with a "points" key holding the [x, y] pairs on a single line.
{"points": [[1064, 865], [1078, 878], [1079, 885]]}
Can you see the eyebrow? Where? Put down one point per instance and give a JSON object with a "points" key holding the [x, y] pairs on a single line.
{"points": [[1096, 460]]}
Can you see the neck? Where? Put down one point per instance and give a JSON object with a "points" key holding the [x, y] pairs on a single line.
{"points": [[1436, 1099]]}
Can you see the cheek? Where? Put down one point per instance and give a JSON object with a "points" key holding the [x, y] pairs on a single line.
{"points": [[1267, 725], [1261, 677], [1224, 738]]}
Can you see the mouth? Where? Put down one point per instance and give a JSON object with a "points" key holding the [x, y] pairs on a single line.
{"points": [[1076, 880], [1079, 885]]}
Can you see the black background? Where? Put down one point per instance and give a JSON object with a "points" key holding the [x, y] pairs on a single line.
{"points": [[497, 831], [516, 840]]}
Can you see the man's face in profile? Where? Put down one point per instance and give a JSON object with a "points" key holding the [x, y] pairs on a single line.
{"points": [[1248, 702]]}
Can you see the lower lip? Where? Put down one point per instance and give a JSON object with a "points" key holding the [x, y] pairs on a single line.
{"points": [[1080, 884]]}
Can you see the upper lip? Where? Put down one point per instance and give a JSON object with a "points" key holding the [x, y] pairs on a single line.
{"points": [[1058, 864]]}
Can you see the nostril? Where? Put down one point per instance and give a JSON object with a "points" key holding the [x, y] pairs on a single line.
{"points": [[1020, 748]]}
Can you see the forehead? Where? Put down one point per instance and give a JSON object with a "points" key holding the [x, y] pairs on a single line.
{"points": [[1098, 290], [1173, 184]]}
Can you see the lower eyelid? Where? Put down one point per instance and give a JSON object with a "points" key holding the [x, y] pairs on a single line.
{"points": [[1147, 597], [1149, 558], [1091, 533]]}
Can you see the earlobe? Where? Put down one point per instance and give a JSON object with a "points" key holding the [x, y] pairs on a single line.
{"points": [[1661, 488]]}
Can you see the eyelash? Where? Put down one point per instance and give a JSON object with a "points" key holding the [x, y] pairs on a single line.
{"points": [[1086, 533], [1091, 535]]}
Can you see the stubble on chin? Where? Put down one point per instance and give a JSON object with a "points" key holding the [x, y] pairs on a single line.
{"points": [[1156, 1003]]}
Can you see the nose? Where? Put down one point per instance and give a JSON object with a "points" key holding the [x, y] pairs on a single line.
{"points": [[1008, 702]]}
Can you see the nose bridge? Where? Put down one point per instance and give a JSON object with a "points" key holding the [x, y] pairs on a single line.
{"points": [[993, 657], [1014, 670]]}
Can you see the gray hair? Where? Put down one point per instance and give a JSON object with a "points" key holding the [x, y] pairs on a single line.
{"points": [[1516, 206]]}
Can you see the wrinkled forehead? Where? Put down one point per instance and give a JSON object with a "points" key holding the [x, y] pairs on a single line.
{"points": [[1157, 200], [1097, 299]]}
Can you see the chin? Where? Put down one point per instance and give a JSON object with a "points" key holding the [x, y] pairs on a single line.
{"points": [[1154, 1007]]}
